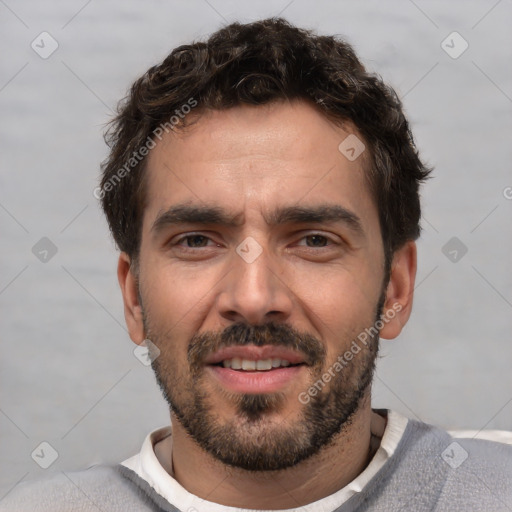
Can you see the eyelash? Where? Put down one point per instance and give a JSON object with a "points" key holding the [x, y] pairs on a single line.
{"points": [[193, 235]]}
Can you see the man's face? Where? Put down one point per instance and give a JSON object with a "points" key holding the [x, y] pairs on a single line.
{"points": [[286, 265]]}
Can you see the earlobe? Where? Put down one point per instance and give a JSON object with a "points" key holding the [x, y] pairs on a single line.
{"points": [[400, 290], [132, 306]]}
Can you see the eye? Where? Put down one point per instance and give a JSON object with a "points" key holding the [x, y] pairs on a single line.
{"points": [[316, 240], [194, 241]]}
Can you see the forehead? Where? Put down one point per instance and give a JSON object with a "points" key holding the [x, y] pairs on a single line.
{"points": [[251, 158]]}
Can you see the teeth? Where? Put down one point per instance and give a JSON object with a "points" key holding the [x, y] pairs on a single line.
{"points": [[247, 364], [264, 364], [261, 364]]}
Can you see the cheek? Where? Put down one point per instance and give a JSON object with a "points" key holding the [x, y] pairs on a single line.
{"points": [[175, 302], [177, 293], [337, 293], [340, 305]]}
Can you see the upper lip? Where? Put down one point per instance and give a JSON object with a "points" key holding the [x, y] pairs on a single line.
{"points": [[253, 353]]}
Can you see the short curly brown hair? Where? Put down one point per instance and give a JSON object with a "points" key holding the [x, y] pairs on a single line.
{"points": [[258, 63]]}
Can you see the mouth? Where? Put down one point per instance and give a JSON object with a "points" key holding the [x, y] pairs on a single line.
{"points": [[260, 365], [251, 369]]}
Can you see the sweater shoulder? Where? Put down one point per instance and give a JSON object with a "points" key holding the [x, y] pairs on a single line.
{"points": [[97, 488], [479, 476], [431, 470]]}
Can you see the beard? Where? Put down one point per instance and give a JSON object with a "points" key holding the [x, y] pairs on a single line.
{"points": [[256, 437]]}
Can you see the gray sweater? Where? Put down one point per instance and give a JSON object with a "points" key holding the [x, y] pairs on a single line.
{"points": [[429, 471]]}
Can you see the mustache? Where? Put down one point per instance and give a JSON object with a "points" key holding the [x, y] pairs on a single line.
{"points": [[239, 334]]}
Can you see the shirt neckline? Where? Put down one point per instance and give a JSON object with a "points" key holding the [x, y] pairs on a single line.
{"points": [[146, 465]]}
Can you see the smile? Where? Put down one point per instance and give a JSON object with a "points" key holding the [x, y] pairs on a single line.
{"points": [[238, 363]]}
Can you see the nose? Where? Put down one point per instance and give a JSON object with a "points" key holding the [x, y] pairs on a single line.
{"points": [[253, 291]]}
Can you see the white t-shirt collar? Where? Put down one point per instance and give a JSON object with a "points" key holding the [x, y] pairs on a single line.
{"points": [[146, 465]]}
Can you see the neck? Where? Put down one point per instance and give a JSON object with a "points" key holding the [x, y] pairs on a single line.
{"points": [[315, 478]]}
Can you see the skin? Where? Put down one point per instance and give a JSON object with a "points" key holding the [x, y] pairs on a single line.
{"points": [[251, 160]]}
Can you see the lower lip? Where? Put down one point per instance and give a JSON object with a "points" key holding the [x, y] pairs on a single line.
{"points": [[269, 381]]}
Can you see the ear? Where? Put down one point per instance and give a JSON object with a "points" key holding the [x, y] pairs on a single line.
{"points": [[130, 290], [399, 292]]}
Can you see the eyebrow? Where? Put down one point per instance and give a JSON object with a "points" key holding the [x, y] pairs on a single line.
{"points": [[215, 215]]}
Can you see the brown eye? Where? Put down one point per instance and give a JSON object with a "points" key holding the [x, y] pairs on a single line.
{"points": [[316, 240], [195, 240], [192, 241]]}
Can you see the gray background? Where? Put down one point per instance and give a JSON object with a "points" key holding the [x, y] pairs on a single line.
{"points": [[68, 373]]}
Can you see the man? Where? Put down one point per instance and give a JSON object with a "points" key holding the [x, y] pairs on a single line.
{"points": [[263, 190]]}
